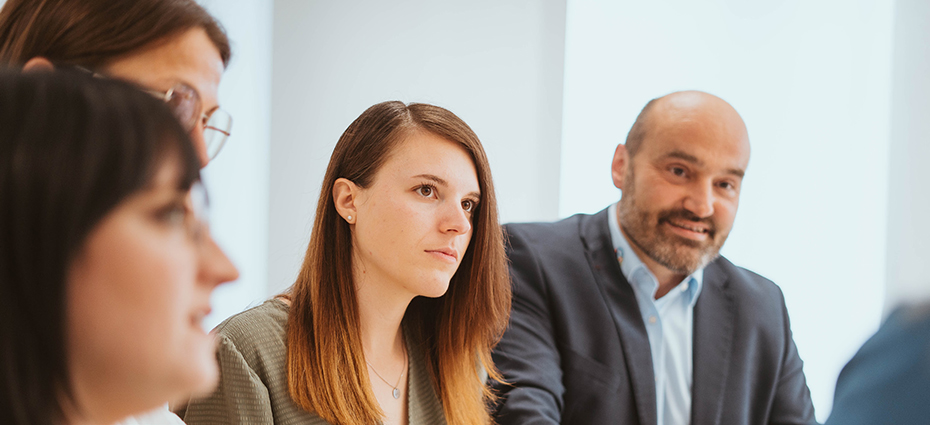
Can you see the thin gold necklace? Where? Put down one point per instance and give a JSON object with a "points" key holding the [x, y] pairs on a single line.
{"points": [[396, 392]]}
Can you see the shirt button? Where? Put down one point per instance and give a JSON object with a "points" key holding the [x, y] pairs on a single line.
{"points": [[684, 287], [652, 319]]}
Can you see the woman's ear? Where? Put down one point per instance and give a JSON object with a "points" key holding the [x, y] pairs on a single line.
{"points": [[38, 63], [345, 196]]}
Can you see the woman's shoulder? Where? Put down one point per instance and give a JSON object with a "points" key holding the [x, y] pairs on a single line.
{"points": [[261, 328], [271, 314]]}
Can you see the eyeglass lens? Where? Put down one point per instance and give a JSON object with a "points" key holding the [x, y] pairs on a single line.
{"points": [[216, 131], [185, 103]]}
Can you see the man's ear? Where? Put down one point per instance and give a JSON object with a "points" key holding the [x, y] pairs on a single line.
{"points": [[38, 63], [618, 167], [345, 195]]}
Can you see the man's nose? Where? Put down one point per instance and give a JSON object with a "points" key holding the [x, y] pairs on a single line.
{"points": [[700, 199]]}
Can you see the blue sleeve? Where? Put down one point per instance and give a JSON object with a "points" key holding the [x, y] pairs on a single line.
{"points": [[888, 380]]}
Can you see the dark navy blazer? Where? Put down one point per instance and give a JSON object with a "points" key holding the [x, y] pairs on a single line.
{"points": [[577, 352], [888, 381]]}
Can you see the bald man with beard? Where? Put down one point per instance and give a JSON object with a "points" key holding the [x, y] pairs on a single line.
{"points": [[630, 316]]}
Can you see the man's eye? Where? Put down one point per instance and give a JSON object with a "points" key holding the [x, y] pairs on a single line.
{"points": [[425, 190], [678, 171]]}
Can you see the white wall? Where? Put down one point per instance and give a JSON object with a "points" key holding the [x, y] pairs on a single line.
{"points": [[812, 81], [909, 187], [237, 180], [498, 65]]}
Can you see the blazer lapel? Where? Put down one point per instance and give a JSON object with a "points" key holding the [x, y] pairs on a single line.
{"points": [[714, 315], [600, 254]]}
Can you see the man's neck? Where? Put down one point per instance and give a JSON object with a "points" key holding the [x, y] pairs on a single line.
{"points": [[667, 279]]}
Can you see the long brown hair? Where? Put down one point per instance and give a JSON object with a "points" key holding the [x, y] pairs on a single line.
{"points": [[91, 33], [325, 363]]}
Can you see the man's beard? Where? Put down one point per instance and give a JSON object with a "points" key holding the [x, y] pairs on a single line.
{"points": [[647, 231]]}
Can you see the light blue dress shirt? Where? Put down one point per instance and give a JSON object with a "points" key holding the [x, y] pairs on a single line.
{"points": [[669, 324]]}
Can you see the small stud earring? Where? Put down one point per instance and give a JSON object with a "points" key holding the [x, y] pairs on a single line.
{"points": [[349, 219]]}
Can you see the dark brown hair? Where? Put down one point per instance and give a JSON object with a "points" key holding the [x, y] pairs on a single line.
{"points": [[91, 33], [72, 148], [325, 363]]}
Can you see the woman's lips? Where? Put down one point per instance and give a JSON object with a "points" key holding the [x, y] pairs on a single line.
{"points": [[448, 254]]}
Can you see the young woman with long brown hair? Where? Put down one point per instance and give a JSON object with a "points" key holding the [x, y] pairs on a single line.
{"points": [[403, 291]]}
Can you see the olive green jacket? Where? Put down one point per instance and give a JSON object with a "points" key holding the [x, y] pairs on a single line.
{"points": [[253, 382]]}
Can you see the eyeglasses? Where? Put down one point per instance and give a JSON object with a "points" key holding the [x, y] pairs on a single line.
{"points": [[185, 102], [186, 105]]}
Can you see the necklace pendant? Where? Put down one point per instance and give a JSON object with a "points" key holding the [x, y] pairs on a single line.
{"points": [[396, 394]]}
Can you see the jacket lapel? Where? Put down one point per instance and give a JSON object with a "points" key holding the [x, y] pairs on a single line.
{"points": [[714, 315], [602, 259]]}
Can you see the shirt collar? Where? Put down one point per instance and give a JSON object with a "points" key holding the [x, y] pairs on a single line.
{"points": [[631, 266]]}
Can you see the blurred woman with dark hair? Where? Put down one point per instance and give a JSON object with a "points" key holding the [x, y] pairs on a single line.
{"points": [[173, 48], [403, 291], [105, 274]]}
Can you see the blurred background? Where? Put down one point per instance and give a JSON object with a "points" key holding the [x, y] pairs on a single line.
{"points": [[834, 93]]}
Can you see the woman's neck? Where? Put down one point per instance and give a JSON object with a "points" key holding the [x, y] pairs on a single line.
{"points": [[381, 311]]}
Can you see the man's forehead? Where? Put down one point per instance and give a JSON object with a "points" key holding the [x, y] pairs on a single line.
{"points": [[700, 138]]}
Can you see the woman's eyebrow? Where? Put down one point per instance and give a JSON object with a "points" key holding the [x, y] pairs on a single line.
{"points": [[434, 178]]}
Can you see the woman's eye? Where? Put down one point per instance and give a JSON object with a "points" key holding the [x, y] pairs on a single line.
{"points": [[468, 205], [173, 215], [425, 190]]}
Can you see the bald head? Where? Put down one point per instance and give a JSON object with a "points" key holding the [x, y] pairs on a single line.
{"points": [[686, 107]]}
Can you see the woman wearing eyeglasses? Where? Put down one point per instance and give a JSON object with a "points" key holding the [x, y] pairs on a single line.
{"points": [[105, 271], [171, 48], [403, 291]]}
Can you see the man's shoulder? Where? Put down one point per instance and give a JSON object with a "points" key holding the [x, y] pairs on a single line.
{"points": [[547, 233], [742, 280]]}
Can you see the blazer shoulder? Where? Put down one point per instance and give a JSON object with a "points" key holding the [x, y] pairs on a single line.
{"points": [[744, 278], [753, 291], [548, 235]]}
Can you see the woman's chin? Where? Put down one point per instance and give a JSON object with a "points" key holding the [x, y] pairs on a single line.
{"points": [[434, 289], [202, 373], [209, 377]]}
